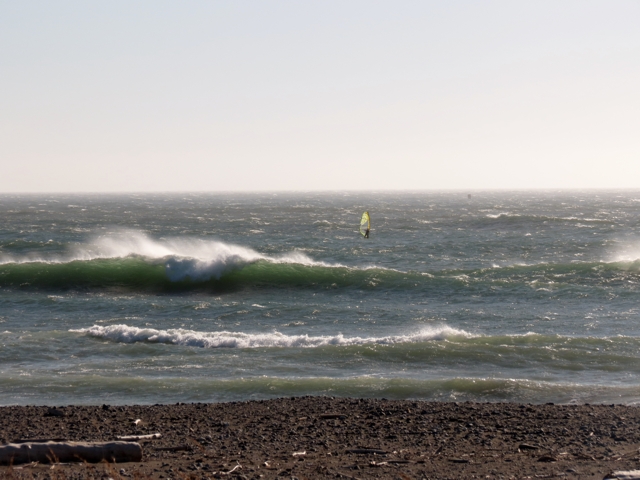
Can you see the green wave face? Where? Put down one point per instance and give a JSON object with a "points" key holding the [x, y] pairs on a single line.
{"points": [[168, 274], [136, 273], [128, 273]]}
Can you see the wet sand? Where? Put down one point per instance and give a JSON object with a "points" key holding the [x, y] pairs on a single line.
{"points": [[320, 437]]}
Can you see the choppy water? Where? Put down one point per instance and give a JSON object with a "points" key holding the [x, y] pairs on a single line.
{"points": [[528, 297]]}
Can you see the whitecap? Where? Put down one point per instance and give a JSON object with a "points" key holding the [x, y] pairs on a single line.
{"points": [[225, 339]]}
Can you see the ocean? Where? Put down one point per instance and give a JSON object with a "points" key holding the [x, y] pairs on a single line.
{"points": [[529, 297]]}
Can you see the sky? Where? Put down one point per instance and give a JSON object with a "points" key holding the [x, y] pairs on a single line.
{"points": [[214, 96]]}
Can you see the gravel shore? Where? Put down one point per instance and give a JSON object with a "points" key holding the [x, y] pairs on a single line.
{"points": [[320, 437]]}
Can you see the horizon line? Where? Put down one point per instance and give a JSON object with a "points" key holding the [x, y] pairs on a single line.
{"points": [[328, 191]]}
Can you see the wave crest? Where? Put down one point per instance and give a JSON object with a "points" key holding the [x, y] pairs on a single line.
{"points": [[190, 338], [184, 258]]}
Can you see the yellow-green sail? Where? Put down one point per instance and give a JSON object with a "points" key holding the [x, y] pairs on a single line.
{"points": [[365, 224]]}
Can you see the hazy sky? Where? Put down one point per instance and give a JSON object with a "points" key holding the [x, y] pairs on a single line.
{"points": [[318, 95]]}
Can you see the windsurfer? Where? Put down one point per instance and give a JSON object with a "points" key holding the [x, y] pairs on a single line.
{"points": [[365, 225]]}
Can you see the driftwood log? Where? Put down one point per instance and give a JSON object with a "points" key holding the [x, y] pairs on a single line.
{"points": [[629, 475], [55, 452], [136, 438]]}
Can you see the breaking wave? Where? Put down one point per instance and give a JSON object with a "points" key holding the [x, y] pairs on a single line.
{"points": [[134, 262], [190, 338]]}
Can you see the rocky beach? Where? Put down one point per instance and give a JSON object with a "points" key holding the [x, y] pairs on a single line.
{"points": [[325, 437]]}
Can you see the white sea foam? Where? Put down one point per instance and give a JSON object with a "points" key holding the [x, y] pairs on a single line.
{"points": [[501, 214], [129, 334]]}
